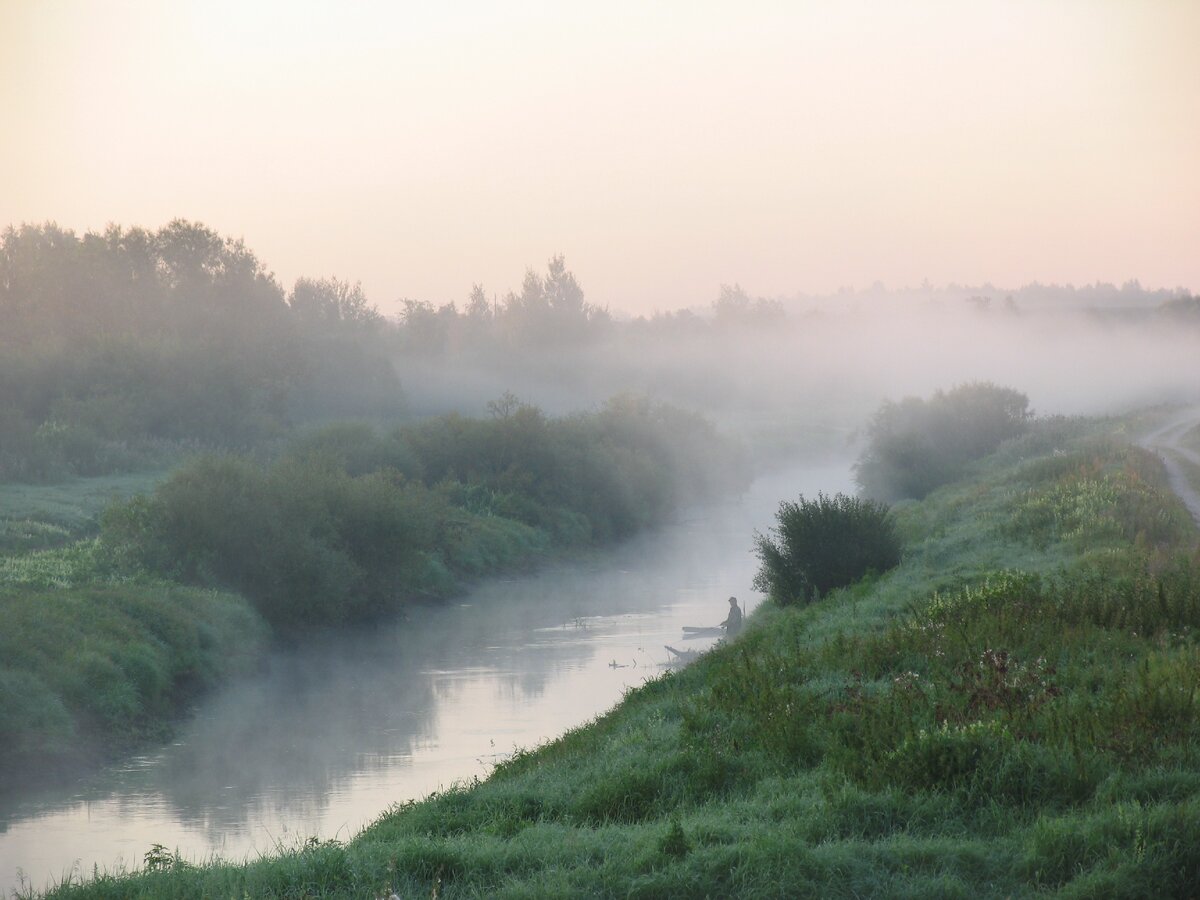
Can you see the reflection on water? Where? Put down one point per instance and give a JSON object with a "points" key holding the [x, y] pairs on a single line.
{"points": [[339, 729]]}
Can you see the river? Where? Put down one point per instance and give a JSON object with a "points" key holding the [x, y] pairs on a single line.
{"points": [[335, 732]]}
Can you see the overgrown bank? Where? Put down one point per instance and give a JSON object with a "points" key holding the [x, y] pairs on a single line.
{"points": [[1010, 712], [352, 523], [109, 628]]}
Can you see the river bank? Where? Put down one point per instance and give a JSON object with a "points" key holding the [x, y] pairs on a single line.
{"points": [[1011, 711], [334, 731], [112, 623]]}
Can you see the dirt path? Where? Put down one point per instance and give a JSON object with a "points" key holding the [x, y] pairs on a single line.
{"points": [[1166, 442]]}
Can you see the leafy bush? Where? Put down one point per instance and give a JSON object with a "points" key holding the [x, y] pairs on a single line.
{"points": [[306, 542], [822, 544], [917, 445], [358, 449], [350, 524]]}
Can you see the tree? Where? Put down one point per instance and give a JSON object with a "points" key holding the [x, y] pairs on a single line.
{"points": [[735, 308], [427, 328], [479, 308], [917, 445], [551, 310], [323, 304]]}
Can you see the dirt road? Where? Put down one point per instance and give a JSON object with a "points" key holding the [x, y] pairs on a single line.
{"points": [[1166, 441]]}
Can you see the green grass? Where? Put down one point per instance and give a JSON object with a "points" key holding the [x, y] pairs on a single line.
{"points": [[1011, 712], [93, 662], [89, 671], [40, 516], [1191, 440]]}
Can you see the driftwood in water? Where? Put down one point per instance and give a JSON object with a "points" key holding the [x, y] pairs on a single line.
{"points": [[682, 656]]}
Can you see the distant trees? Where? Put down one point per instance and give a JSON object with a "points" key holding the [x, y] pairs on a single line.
{"points": [[113, 341], [425, 329], [345, 347], [324, 304], [549, 310], [550, 313], [821, 544], [1181, 311], [734, 307], [916, 445]]}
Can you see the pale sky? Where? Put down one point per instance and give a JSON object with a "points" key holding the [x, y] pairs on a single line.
{"points": [[664, 148]]}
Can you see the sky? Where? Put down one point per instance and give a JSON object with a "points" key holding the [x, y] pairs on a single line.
{"points": [[663, 148]]}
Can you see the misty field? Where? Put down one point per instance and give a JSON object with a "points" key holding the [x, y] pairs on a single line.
{"points": [[1010, 712]]}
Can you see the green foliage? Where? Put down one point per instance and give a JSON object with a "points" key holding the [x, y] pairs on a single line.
{"points": [[120, 349], [357, 449], [305, 541], [822, 544], [916, 445], [350, 524], [1120, 497], [675, 842], [75, 564], [92, 669]]}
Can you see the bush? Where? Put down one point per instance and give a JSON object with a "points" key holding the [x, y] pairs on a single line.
{"points": [[822, 544], [304, 541], [916, 445], [350, 524]]}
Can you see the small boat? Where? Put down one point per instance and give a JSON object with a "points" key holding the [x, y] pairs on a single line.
{"points": [[692, 631]]}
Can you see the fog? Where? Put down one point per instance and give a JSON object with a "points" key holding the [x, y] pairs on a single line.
{"points": [[231, 229], [803, 374]]}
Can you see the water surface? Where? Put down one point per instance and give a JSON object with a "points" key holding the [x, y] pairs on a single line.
{"points": [[337, 731]]}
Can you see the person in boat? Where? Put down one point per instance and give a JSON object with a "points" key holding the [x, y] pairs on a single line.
{"points": [[733, 621]]}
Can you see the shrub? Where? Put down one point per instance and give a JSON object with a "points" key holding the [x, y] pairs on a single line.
{"points": [[822, 544], [350, 524], [917, 445], [357, 449]]}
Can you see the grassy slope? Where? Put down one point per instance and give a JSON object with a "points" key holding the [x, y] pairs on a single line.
{"points": [[93, 663], [1191, 440], [1011, 712]]}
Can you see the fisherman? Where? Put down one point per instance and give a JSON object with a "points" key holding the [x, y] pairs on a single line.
{"points": [[733, 621]]}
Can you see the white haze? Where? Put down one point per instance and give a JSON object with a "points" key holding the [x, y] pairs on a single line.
{"points": [[811, 380]]}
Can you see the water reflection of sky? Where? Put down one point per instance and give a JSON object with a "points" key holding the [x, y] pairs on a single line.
{"points": [[337, 730]]}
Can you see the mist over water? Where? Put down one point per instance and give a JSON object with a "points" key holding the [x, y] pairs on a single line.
{"points": [[338, 730]]}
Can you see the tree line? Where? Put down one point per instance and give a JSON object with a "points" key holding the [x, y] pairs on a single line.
{"points": [[121, 345]]}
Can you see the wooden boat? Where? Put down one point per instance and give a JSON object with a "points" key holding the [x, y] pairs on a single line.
{"points": [[692, 631]]}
